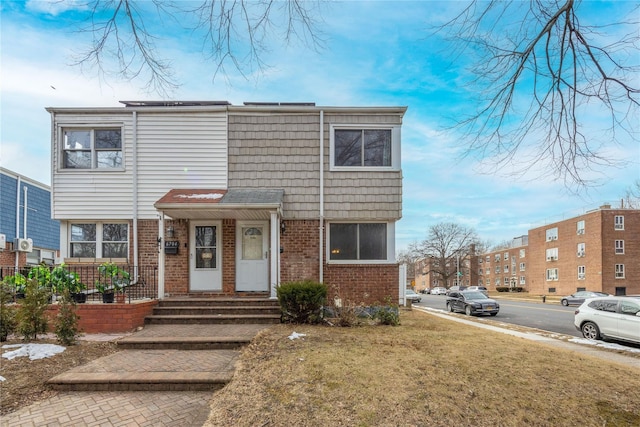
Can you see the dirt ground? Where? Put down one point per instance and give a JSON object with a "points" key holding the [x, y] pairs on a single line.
{"points": [[25, 380]]}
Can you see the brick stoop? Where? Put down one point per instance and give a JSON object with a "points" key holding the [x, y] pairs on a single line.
{"points": [[201, 311]]}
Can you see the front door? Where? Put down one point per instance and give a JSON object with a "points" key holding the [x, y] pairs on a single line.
{"points": [[205, 256], [252, 256]]}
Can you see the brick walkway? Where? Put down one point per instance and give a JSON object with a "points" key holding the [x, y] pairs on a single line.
{"points": [[140, 408], [180, 409]]}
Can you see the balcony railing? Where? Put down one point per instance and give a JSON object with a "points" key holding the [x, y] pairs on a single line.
{"points": [[142, 283]]}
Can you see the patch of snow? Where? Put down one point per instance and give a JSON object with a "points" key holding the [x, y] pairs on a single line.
{"points": [[2, 378], [295, 336], [604, 344], [212, 196], [34, 351]]}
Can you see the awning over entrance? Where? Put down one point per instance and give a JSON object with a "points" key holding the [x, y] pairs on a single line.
{"points": [[242, 203]]}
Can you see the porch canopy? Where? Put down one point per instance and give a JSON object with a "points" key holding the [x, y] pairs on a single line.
{"points": [[240, 203]]}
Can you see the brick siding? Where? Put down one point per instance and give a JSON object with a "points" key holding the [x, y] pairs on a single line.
{"points": [[107, 318]]}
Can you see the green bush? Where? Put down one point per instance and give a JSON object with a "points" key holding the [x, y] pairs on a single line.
{"points": [[7, 312], [387, 314], [301, 302], [502, 288], [66, 328], [31, 312], [17, 283]]}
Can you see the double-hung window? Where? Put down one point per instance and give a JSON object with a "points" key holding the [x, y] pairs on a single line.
{"points": [[99, 240], [581, 272], [371, 147], [619, 271], [552, 254], [358, 242], [619, 222], [99, 148], [580, 227], [619, 246], [552, 234], [552, 274]]}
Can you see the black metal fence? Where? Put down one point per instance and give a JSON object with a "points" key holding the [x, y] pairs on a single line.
{"points": [[141, 282]]}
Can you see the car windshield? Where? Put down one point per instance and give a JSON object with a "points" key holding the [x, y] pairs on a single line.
{"points": [[474, 295]]}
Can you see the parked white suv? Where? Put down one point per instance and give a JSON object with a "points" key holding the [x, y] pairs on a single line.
{"points": [[609, 317]]}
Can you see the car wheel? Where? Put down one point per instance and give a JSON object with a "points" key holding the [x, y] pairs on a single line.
{"points": [[565, 302], [450, 307], [493, 314], [467, 310], [590, 331]]}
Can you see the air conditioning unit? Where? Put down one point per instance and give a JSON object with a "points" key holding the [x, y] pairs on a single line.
{"points": [[580, 253], [23, 245], [554, 238], [581, 231], [3, 242], [549, 258]]}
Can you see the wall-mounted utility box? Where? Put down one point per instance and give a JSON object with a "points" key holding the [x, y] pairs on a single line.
{"points": [[3, 242]]}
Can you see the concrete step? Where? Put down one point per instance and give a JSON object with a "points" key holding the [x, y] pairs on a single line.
{"points": [[157, 370], [215, 310], [217, 319], [217, 302], [183, 343]]}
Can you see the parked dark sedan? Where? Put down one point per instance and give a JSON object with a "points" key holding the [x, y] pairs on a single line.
{"points": [[579, 297], [472, 303]]}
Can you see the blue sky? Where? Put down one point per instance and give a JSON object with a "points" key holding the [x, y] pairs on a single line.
{"points": [[375, 54]]}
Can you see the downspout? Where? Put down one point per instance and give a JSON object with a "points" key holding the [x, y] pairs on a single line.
{"points": [[135, 193], [24, 214], [17, 220], [321, 225]]}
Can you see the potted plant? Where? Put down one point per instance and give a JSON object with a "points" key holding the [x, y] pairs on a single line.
{"points": [[112, 280], [62, 279], [42, 275]]}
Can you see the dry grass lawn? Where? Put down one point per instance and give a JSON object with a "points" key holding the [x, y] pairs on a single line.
{"points": [[426, 372]]}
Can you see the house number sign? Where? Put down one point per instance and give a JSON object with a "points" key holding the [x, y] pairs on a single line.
{"points": [[171, 247]]}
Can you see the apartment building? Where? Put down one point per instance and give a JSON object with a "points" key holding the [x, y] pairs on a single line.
{"points": [[506, 267], [460, 270]]}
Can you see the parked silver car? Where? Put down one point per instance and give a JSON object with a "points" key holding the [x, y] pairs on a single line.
{"points": [[579, 297], [439, 291], [609, 317], [410, 294]]}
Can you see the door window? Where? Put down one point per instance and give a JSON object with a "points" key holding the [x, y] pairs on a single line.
{"points": [[251, 243], [205, 246]]}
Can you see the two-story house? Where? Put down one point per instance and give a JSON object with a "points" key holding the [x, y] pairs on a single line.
{"points": [[232, 200]]}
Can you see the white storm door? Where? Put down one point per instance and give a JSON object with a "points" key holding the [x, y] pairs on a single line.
{"points": [[205, 256], [252, 256]]}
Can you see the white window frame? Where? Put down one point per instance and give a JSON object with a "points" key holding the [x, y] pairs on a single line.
{"points": [[497, 258], [99, 236], [498, 281], [619, 271], [522, 266], [522, 253], [552, 234], [581, 249], [552, 274], [552, 254], [619, 245], [90, 128], [580, 227], [523, 280], [505, 268], [618, 222], [582, 272], [506, 256], [395, 146], [390, 244]]}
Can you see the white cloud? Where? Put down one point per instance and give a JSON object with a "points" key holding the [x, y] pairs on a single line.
{"points": [[56, 7]]}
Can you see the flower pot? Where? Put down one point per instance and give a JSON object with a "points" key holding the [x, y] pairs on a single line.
{"points": [[79, 298], [107, 297]]}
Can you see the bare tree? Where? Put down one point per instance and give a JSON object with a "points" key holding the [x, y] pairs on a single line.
{"points": [[232, 32], [542, 76], [446, 245], [632, 196]]}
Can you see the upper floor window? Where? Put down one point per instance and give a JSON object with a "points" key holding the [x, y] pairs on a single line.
{"points": [[522, 266], [357, 146], [619, 271], [522, 253], [523, 280], [506, 268], [92, 148], [552, 234], [497, 258], [352, 242], [619, 246], [552, 274], [99, 240], [552, 254], [581, 249], [581, 272], [488, 258], [506, 256], [580, 227], [619, 222]]}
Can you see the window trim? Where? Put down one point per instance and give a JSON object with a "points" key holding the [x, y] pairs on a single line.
{"points": [[395, 146], [618, 271], [618, 225], [63, 127], [391, 232], [619, 249], [551, 234], [554, 277]]}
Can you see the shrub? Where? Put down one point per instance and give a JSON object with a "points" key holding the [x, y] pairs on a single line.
{"points": [[7, 312], [31, 312], [346, 313], [387, 314], [16, 282], [64, 279], [301, 302], [502, 288], [66, 328]]}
